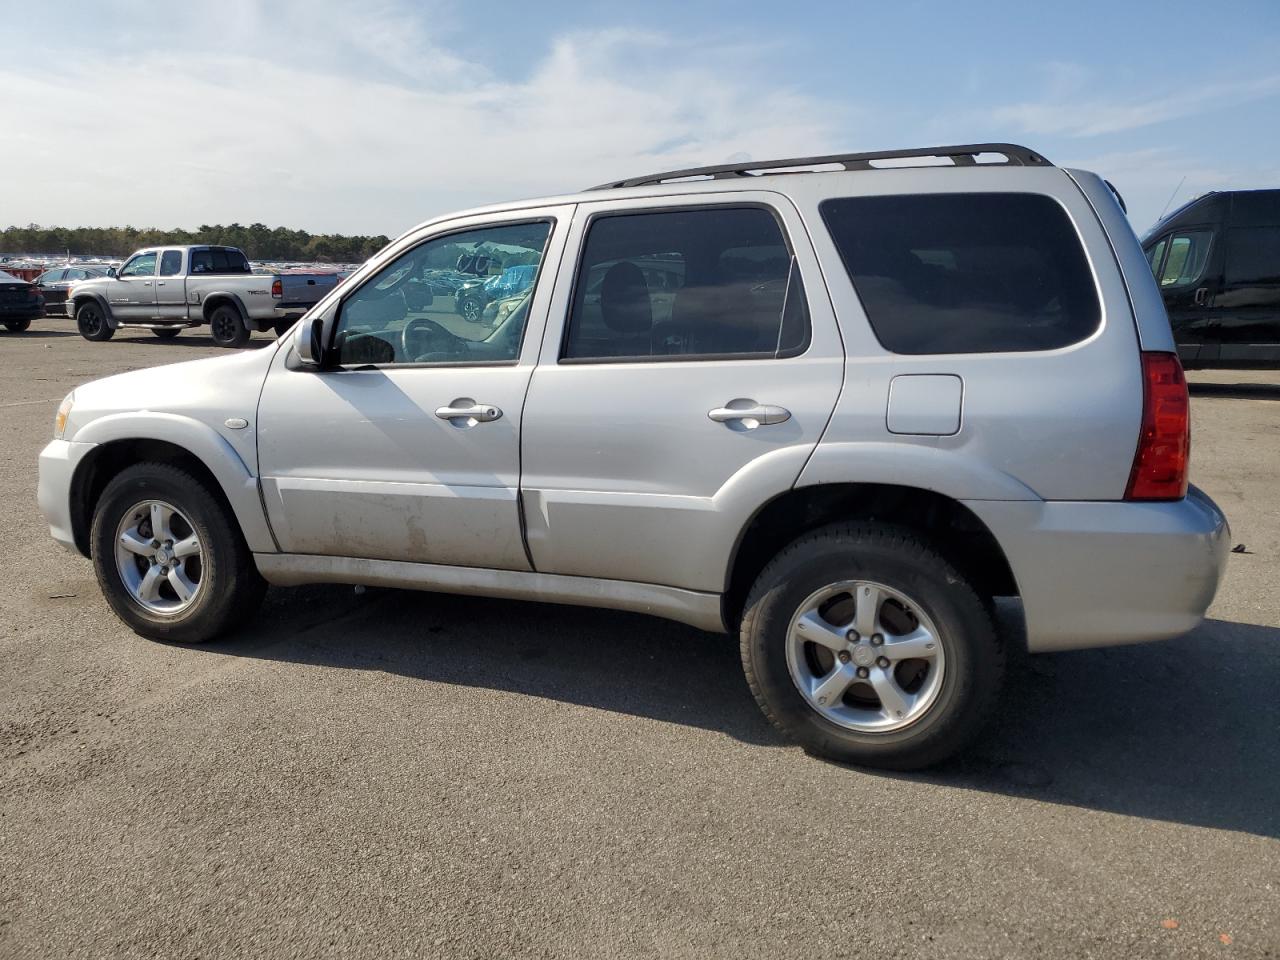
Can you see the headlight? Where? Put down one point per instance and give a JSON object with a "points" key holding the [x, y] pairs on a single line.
{"points": [[64, 411]]}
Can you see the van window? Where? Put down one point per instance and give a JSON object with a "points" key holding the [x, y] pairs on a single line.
{"points": [[1154, 255], [1253, 256], [966, 272], [687, 284], [1188, 255]]}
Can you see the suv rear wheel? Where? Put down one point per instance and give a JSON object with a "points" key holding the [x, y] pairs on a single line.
{"points": [[169, 558], [864, 645]]}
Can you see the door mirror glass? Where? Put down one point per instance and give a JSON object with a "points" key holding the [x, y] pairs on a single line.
{"points": [[111, 271], [310, 341]]}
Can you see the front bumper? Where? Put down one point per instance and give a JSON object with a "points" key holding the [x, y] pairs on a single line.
{"points": [[58, 462], [1094, 574]]}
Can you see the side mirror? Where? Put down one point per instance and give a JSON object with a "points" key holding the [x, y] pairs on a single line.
{"points": [[111, 271], [310, 341]]}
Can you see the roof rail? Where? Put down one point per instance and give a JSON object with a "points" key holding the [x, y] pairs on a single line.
{"points": [[960, 156]]}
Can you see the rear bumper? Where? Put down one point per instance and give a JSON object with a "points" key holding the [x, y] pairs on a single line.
{"points": [[58, 462], [1096, 574], [21, 312]]}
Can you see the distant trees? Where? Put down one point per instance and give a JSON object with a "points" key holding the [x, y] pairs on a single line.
{"points": [[257, 240]]}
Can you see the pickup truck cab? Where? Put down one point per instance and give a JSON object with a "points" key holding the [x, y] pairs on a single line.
{"points": [[836, 413], [165, 289]]}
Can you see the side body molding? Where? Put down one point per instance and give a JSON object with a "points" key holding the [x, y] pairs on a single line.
{"points": [[238, 484]]}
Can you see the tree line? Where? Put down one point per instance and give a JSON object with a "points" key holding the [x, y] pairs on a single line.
{"points": [[258, 241]]}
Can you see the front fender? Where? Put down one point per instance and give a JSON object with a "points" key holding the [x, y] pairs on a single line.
{"points": [[238, 484], [102, 302]]}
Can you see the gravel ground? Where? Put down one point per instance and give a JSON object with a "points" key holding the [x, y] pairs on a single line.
{"points": [[396, 774]]}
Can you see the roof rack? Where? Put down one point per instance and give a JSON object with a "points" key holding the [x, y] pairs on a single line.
{"points": [[960, 156]]}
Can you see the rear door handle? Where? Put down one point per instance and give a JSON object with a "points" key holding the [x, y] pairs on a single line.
{"points": [[465, 412], [749, 413]]}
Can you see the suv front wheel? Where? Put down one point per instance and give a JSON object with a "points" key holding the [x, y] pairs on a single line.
{"points": [[169, 558], [863, 644]]}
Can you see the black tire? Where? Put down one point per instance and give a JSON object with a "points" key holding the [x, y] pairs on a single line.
{"points": [[166, 333], [227, 328], [17, 326], [230, 585], [902, 561], [92, 323]]}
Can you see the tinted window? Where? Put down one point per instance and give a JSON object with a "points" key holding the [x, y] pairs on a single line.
{"points": [[218, 260], [49, 276], [411, 310], [1154, 256], [689, 283], [1253, 256], [171, 263], [1185, 262], [143, 265], [966, 273]]}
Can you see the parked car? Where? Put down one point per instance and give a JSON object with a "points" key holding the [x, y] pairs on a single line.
{"points": [[20, 302], [55, 283], [875, 401], [167, 289], [1217, 261], [473, 296]]}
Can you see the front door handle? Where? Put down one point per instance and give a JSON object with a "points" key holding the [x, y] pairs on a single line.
{"points": [[749, 414], [465, 412], [1201, 296]]}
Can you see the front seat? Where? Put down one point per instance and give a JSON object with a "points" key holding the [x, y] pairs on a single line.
{"points": [[626, 310]]}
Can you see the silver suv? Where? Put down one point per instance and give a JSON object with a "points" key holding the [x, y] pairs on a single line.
{"points": [[833, 405]]}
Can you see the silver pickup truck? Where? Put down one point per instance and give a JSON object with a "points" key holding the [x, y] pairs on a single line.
{"points": [[167, 289]]}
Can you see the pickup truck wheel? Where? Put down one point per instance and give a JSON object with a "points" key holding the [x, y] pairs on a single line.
{"points": [[166, 333], [92, 322], [17, 326], [226, 327], [864, 645], [169, 558]]}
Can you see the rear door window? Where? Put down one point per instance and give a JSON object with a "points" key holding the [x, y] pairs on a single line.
{"points": [[709, 283], [966, 272], [171, 263]]}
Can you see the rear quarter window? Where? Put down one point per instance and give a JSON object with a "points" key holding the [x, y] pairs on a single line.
{"points": [[966, 272]]}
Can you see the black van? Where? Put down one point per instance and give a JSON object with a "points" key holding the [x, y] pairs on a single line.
{"points": [[1217, 260]]}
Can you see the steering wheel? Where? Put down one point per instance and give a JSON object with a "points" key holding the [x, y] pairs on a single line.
{"points": [[424, 340]]}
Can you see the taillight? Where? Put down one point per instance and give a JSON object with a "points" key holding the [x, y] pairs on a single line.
{"points": [[1164, 445], [277, 288]]}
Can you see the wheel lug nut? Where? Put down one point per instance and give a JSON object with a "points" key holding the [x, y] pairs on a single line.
{"points": [[877, 639], [882, 662], [852, 636], [863, 672], [155, 544], [843, 655]]}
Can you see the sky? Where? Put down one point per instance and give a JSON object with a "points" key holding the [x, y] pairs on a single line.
{"points": [[371, 117]]}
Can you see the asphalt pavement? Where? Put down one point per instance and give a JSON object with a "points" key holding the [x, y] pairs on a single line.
{"points": [[394, 774]]}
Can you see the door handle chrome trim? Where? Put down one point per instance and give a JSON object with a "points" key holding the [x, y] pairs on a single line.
{"points": [[760, 413], [467, 409]]}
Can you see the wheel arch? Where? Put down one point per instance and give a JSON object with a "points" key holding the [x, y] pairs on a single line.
{"points": [[174, 440], [951, 527], [212, 301], [80, 298]]}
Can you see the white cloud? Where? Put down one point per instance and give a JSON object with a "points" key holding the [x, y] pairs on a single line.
{"points": [[1066, 114], [378, 128]]}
